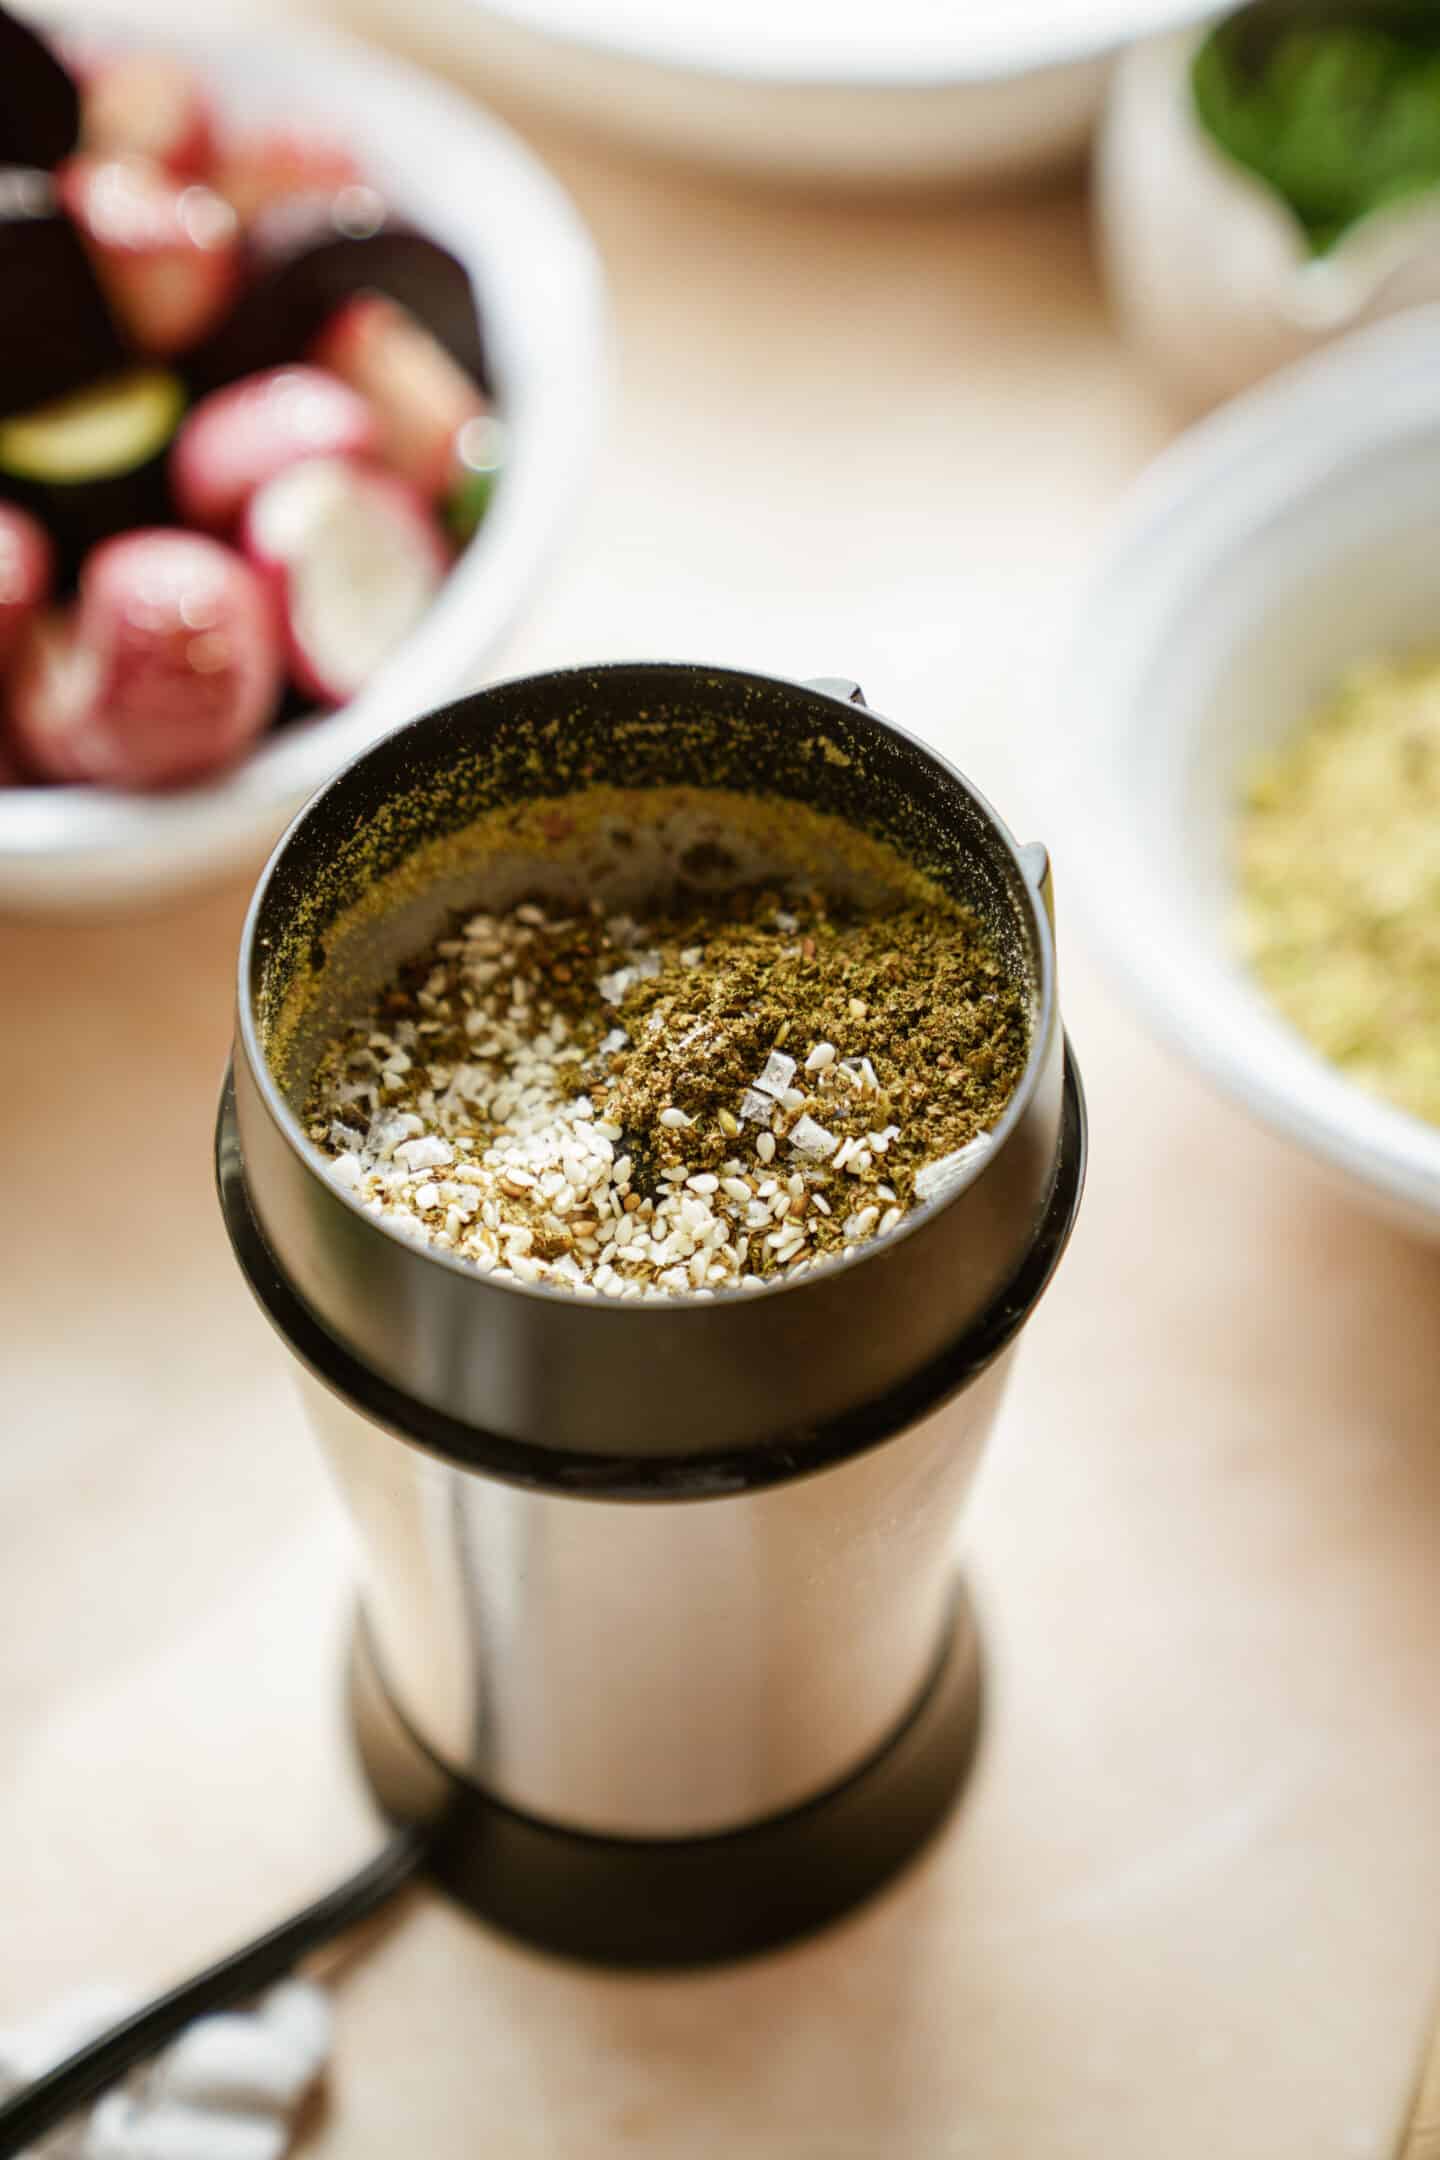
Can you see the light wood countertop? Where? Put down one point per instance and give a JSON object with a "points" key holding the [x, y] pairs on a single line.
{"points": [[1191, 1906]]}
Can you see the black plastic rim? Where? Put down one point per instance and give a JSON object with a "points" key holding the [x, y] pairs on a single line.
{"points": [[649, 1477], [663, 1903]]}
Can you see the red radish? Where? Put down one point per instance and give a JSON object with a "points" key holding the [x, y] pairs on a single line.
{"points": [[423, 398], [257, 171], [27, 572], [167, 254], [166, 670], [149, 105], [355, 558], [237, 438]]}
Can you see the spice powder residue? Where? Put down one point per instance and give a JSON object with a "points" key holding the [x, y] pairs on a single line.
{"points": [[711, 1095]]}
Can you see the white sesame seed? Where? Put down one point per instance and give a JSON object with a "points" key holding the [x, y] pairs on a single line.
{"points": [[822, 1055], [818, 1200], [890, 1219], [765, 1146], [737, 1190], [704, 1183], [793, 1099], [674, 1120]]}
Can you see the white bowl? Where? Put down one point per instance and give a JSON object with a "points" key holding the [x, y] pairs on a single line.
{"points": [[464, 178], [910, 91], [1213, 318], [1283, 539]]}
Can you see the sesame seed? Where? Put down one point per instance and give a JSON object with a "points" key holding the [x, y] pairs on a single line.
{"points": [[822, 1055], [765, 1146], [674, 1120]]}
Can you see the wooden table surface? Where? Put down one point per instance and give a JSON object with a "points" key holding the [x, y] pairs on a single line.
{"points": [[1191, 1907]]}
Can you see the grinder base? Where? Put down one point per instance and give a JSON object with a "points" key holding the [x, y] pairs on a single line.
{"points": [[680, 1901]]}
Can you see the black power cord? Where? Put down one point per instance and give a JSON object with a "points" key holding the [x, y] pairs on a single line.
{"points": [[39, 2106]]}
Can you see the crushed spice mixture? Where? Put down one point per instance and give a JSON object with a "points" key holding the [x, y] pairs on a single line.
{"points": [[714, 1094], [1339, 863]]}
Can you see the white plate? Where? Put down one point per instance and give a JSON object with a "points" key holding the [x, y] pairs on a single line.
{"points": [[908, 90], [1282, 540], [464, 178]]}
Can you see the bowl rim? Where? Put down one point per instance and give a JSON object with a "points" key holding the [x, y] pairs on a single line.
{"points": [[1270, 449], [550, 410], [921, 45]]}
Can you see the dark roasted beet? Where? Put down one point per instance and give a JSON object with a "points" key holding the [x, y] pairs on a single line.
{"points": [[58, 332], [39, 103], [316, 252], [94, 463]]}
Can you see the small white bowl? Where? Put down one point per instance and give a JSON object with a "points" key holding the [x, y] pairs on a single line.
{"points": [[468, 181], [1208, 267], [845, 92], [1277, 543]]}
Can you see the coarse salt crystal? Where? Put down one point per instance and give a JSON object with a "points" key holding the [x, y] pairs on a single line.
{"points": [[808, 1137], [935, 1178], [777, 1074], [755, 1108], [425, 1152]]}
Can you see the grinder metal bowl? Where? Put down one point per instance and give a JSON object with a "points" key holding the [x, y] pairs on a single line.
{"points": [[655, 1629]]}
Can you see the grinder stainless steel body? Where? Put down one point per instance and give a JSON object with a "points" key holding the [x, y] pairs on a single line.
{"points": [[661, 1630]]}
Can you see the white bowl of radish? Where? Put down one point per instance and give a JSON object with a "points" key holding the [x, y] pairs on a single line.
{"points": [[271, 503]]}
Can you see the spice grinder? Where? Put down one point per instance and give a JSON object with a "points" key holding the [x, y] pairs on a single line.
{"points": [[660, 1634]]}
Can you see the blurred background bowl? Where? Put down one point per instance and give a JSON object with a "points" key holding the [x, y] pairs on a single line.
{"points": [[464, 178], [1278, 543], [1209, 271], [913, 91]]}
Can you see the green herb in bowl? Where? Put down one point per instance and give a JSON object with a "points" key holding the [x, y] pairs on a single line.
{"points": [[1335, 108]]}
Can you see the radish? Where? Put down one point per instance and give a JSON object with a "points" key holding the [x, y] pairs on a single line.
{"points": [[354, 557], [148, 105], [257, 171], [422, 396], [167, 253], [237, 438], [27, 572], [165, 671]]}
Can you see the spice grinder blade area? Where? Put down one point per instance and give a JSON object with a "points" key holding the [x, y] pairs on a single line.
{"points": [[660, 1629]]}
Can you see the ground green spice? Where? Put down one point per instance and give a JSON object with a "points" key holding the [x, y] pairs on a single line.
{"points": [[757, 1081], [1339, 864]]}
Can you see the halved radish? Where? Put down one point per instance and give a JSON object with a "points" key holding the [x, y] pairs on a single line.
{"points": [[257, 171], [422, 396], [147, 104], [354, 557], [238, 438], [165, 671], [27, 573], [167, 253]]}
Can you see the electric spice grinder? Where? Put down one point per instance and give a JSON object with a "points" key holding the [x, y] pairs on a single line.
{"points": [[660, 1635]]}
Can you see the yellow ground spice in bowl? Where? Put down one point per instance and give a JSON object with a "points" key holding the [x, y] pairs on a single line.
{"points": [[1339, 876]]}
